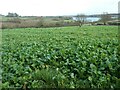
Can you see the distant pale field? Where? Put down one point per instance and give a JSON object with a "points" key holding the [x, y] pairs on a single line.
{"points": [[76, 57]]}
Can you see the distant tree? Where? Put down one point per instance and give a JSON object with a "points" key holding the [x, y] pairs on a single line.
{"points": [[67, 18], [12, 15], [81, 19], [16, 15], [105, 17]]}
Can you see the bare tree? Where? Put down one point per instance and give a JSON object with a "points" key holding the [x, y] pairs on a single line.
{"points": [[81, 19], [40, 22], [105, 17]]}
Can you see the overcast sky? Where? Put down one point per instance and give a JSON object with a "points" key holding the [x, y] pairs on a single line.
{"points": [[57, 7]]}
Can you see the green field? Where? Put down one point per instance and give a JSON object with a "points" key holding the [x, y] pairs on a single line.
{"points": [[71, 57]]}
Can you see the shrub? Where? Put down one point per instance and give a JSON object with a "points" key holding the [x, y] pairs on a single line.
{"points": [[114, 23]]}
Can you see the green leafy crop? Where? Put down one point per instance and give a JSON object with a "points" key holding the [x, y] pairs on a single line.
{"points": [[65, 57]]}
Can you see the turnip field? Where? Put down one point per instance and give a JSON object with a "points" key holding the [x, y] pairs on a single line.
{"points": [[61, 57]]}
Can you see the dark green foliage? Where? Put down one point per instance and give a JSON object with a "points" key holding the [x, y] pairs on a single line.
{"points": [[61, 57]]}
